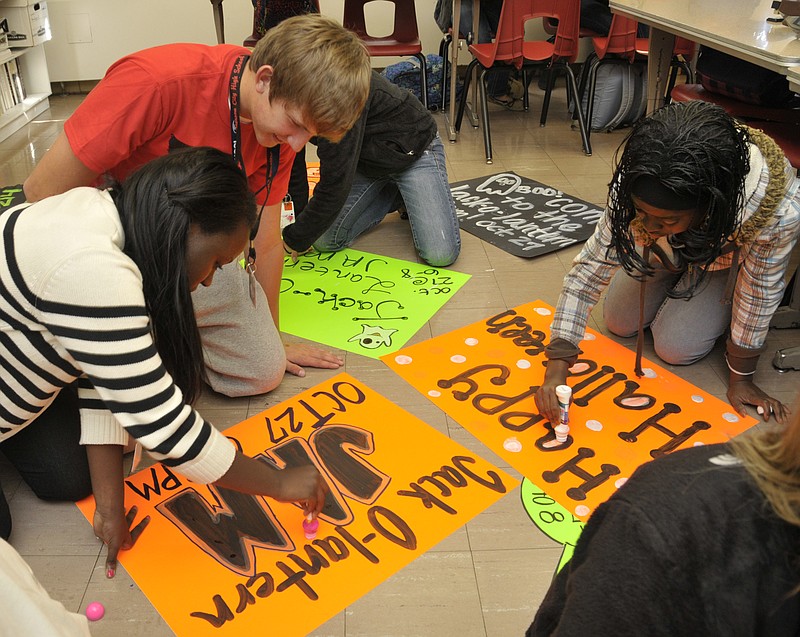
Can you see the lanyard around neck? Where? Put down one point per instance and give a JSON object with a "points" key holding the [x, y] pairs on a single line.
{"points": [[233, 98], [273, 153]]}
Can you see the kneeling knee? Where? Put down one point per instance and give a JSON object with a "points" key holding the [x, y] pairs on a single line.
{"points": [[243, 386], [675, 355], [329, 246], [442, 259]]}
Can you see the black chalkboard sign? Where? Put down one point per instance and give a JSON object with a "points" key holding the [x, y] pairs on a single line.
{"points": [[522, 216]]}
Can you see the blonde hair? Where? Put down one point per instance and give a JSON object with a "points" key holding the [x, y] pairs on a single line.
{"points": [[771, 456], [320, 68]]}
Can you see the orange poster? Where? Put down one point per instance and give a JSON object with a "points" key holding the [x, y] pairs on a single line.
{"points": [[485, 376], [217, 562], [312, 170]]}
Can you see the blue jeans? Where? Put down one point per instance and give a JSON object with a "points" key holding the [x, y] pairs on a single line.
{"points": [[684, 331], [423, 189]]}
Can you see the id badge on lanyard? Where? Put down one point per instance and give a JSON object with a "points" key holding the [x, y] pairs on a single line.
{"points": [[273, 160]]}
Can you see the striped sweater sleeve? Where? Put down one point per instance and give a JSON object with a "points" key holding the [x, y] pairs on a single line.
{"points": [[92, 304], [591, 272]]}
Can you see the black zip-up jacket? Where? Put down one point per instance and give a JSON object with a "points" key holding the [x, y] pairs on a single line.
{"points": [[391, 134]]}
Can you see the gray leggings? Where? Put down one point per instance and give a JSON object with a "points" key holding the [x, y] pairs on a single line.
{"points": [[242, 346], [683, 330]]}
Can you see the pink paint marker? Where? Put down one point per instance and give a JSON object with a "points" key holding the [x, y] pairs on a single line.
{"points": [[564, 395], [310, 527]]}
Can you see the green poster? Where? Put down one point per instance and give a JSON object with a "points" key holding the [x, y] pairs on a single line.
{"points": [[361, 302], [552, 519]]}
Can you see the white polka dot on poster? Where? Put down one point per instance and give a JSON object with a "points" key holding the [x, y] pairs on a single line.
{"points": [[619, 482], [730, 417], [471, 342], [649, 373], [594, 425], [589, 337], [582, 510], [402, 359], [697, 398], [512, 444], [699, 443], [542, 311], [523, 363], [434, 393], [458, 358]]}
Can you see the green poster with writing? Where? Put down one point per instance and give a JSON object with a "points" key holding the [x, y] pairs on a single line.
{"points": [[361, 302]]}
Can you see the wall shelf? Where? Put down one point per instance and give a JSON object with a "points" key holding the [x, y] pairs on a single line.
{"points": [[33, 68]]}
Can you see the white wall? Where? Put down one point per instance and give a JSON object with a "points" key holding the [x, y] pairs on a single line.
{"points": [[89, 35]]}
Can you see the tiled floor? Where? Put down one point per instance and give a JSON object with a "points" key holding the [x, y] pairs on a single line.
{"points": [[488, 578]]}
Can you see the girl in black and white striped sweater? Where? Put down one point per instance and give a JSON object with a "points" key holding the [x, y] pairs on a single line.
{"points": [[98, 338]]}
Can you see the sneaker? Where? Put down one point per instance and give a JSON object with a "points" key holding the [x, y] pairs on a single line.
{"points": [[506, 101]]}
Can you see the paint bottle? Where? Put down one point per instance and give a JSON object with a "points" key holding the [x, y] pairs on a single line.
{"points": [[310, 527], [564, 394]]}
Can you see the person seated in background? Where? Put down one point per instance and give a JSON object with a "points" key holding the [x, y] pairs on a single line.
{"points": [[596, 16], [702, 216], [100, 338], [703, 541], [392, 159], [307, 76], [502, 87]]}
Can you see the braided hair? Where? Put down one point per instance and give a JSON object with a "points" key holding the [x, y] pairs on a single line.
{"points": [[697, 152]]}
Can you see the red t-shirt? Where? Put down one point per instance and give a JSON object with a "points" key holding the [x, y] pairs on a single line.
{"points": [[147, 97]]}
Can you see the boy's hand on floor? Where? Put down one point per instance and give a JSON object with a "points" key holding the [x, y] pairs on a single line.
{"points": [[299, 355]]}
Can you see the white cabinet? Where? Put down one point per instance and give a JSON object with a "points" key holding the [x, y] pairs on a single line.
{"points": [[33, 69]]}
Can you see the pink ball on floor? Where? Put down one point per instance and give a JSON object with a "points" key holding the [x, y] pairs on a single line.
{"points": [[95, 611]]}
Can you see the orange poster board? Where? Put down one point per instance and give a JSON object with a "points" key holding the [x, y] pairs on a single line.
{"points": [[216, 562], [485, 376], [312, 170]]}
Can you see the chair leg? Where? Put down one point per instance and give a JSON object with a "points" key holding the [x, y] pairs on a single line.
{"points": [[487, 133], [551, 79], [444, 47], [526, 101], [444, 44], [585, 72], [687, 68], [673, 77], [462, 103], [423, 78], [586, 69], [572, 87], [676, 65], [592, 84]]}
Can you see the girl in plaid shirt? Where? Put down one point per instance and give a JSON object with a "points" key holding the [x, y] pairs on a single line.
{"points": [[702, 216]]}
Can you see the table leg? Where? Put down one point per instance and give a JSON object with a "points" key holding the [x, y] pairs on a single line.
{"points": [[450, 113], [662, 44], [219, 20]]}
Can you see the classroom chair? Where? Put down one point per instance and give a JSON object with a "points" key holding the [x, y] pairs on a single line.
{"points": [[622, 46], [285, 10], [403, 41], [511, 48]]}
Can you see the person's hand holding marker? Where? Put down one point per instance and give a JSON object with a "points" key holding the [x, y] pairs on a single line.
{"points": [[546, 399]]}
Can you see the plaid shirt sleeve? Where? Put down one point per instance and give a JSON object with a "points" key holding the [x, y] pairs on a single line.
{"points": [[760, 282], [591, 271]]}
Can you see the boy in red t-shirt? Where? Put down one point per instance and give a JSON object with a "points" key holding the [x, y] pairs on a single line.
{"points": [[308, 76]]}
